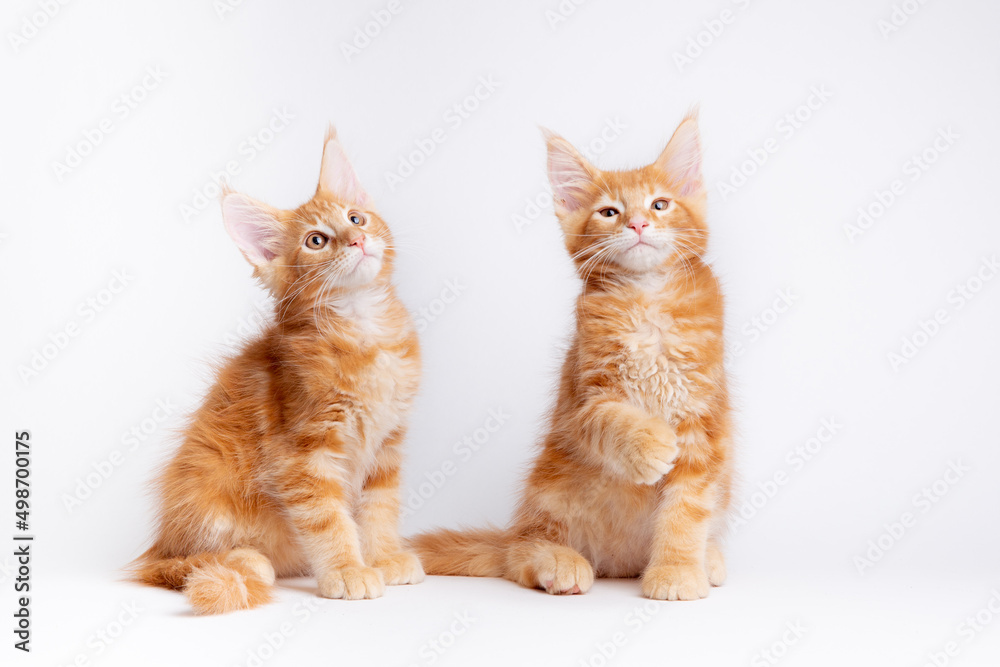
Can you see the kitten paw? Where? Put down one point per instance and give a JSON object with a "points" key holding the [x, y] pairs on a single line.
{"points": [[715, 566], [654, 448], [675, 582], [352, 583], [401, 568], [560, 570]]}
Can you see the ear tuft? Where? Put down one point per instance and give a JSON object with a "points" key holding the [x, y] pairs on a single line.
{"points": [[331, 133], [681, 159], [569, 173], [253, 226], [336, 175]]}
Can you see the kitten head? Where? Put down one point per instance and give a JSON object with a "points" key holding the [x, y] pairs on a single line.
{"points": [[333, 243], [631, 223]]}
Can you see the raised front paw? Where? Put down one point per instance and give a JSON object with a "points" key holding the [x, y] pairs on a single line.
{"points": [[681, 581], [352, 583], [401, 568], [651, 452]]}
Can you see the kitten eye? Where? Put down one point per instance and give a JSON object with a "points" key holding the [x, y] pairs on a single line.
{"points": [[356, 218], [609, 212], [661, 204], [315, 241]]}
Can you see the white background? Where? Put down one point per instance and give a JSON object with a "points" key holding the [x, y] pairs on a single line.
{"points": [[498, 345]]}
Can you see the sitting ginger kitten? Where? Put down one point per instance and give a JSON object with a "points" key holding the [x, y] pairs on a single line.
{"points": [[634, 475], [291, 465]]}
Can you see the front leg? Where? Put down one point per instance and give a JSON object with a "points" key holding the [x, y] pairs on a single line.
{"points": [[627, 441], [678, 566], [313, 493], [378, 519]]}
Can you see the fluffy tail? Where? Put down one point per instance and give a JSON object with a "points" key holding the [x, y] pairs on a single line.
{"points": [[214, 583], [468, 553]]}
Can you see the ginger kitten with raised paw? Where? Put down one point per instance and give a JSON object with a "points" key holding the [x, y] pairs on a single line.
{"points": [[634, 474]]}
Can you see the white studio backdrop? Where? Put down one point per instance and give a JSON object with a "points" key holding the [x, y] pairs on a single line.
{"points": [[851, 154]]}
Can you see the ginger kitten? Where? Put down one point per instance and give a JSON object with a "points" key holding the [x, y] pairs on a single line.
{"points": [[634, 475], [291, 465]]}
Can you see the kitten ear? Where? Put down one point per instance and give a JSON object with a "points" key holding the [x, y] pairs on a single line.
{"points": [[569, 173], [681, 159], [336, 175], [254, 226]]}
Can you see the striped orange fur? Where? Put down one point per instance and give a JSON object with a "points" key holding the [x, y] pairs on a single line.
{"points": [[291, 465], [633, 477]]}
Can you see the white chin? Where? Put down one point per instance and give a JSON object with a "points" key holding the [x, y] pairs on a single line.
{"points": [[363, 273], [640, 258]]}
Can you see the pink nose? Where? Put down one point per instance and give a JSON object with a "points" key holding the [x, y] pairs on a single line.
{"points": [[638, 224], [359, 241]]}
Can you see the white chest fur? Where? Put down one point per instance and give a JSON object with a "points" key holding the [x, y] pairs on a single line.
{"points": [[366, 310], [653, 366], [384, 389]]}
